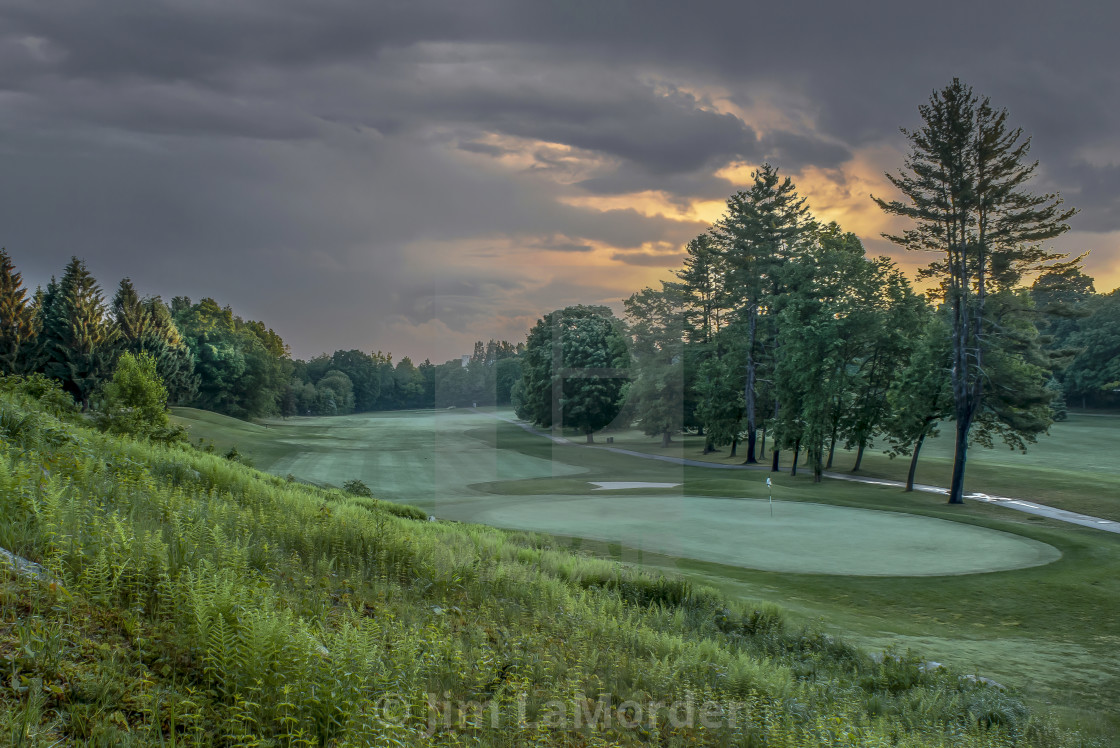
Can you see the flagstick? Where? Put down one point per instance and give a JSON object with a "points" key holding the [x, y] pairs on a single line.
{"points": [[770, 487]]}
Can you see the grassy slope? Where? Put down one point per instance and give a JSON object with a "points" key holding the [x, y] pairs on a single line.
{"points": [[202, 602], [1047, 629]]}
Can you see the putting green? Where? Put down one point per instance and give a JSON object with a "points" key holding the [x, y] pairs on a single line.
{"points": [[800, 537]]}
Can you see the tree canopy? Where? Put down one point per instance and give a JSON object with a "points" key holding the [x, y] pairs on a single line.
{"points": [[575, 370]]}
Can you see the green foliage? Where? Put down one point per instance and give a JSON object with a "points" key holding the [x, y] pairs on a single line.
{"points": [[234, 455], [47, 393], [357, 487], [656, 396], [575, 369], [18, 323], [334, 394], [719, 405], [243, 367], [146, 326], [1094, 375], [76, 339], [134, 401], [963, 187]]}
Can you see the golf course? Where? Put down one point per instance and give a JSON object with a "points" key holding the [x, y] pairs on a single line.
{"points": [[1025, 600]]}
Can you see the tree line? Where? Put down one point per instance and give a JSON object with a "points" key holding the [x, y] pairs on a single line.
{"points": [[208, 357], [779, 333]]}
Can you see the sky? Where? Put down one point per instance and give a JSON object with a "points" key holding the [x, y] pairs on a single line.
{"points": [[412, 176]]}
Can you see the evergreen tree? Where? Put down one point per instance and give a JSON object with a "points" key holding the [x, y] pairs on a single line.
{"points": [[129, 312], [146, 326], [963, 183], [78, 340], [657, 338], [18, 327], [759, 234]]}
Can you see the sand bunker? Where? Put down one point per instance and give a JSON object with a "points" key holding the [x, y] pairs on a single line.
{"points": [[614, 485]]}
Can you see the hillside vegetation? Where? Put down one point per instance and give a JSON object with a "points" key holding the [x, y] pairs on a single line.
{"points": [[184, 599]]}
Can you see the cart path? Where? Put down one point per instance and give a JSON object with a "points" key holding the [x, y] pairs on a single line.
{"points": [[1021, 505]]}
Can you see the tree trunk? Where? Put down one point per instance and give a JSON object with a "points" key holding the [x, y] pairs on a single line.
{"points": [[859, 455], [748, 392], [708, 448], [956, 488], [774, 466], [734, 445], [590, 438], [665, 438], [796, 456], [817, 457], [831, 451], [914, 458], [700, 430]]}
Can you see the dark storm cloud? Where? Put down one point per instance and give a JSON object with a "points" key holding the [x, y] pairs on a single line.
{"points": [[292, 156], [560, 246], [795, 151], [650, 259]]}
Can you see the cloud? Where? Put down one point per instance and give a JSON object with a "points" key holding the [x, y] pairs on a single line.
{"points": [[668, 260], [403, 175]]}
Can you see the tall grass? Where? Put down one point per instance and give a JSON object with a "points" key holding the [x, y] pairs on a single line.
{"points": [[190, 600]]}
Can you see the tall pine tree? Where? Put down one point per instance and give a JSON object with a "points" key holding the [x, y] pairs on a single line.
{"points": [[78, 340], [18, 327], [963, 183], [759, 234]]}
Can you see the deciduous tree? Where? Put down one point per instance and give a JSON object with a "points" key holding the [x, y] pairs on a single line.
{"points": [[575, 369]]}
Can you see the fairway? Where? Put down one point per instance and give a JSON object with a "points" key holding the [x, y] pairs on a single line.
{"points": [[800, 537], [453, 464]]}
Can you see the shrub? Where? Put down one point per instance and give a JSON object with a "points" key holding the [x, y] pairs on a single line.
{"points": [[357, 488], [47, 392], [134, 401], [235, 456]]}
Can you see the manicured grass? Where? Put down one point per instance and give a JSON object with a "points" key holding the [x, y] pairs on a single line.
{"points": [[800, 537], [1048, 629], [1075, 467]]}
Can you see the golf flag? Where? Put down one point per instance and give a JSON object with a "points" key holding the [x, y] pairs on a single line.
{"points": [[771, 489]]}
